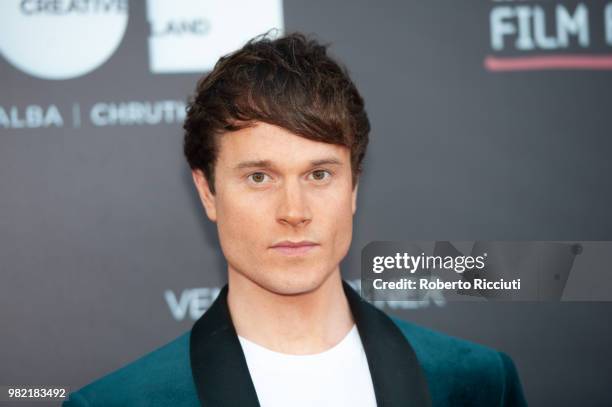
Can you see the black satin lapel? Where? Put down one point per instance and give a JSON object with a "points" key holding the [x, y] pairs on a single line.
{"points": [[396, 373], [218, 364], [222, 376]]}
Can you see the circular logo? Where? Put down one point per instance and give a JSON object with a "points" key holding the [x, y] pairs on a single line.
{"points": [[54, 39]]}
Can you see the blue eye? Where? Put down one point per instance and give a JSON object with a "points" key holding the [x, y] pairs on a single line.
{"points": [[258, 177], [320, 175]]}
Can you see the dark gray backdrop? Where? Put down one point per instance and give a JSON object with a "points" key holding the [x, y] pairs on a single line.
{"points": [[97, 223]]}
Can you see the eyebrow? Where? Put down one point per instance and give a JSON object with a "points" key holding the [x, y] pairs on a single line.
{"points": [[268, 163]]}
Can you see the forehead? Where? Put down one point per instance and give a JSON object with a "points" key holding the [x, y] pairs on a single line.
{"points": [[276, 144]]}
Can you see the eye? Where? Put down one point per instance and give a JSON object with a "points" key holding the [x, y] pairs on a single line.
{"points": [[320, 175], [258, 177]]}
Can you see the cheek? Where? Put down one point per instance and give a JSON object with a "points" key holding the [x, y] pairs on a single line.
{"points": [[338, 217], [241, 224]]}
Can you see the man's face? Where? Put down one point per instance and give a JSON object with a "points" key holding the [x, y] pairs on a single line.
{"points": [[273, 190]]}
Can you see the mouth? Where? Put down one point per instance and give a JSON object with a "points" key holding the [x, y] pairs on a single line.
{"points": [[294, 248]]}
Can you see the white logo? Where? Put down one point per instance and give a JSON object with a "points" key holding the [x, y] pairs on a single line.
{"points": [[61, 39], [192, 302], [191, 35]]}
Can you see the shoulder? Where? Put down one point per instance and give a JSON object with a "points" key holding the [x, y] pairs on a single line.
{"points": [[460, 372], [446, 354], [162, 377]]}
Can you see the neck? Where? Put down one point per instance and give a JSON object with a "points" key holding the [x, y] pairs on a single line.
{"points": [[297, 324]]}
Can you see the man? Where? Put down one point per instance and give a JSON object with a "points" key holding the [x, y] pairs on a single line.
{"points": [[275, 137]]}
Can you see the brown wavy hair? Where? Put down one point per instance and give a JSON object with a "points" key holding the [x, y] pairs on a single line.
{"points": [[290, 82]]}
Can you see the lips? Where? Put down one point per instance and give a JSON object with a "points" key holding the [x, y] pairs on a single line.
{"points": [[294, 248]]}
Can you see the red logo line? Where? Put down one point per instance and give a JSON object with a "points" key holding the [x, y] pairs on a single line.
{"points": [[548, 62]]}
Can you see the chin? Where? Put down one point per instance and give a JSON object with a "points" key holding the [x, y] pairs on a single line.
{"points": [[294, 282]]}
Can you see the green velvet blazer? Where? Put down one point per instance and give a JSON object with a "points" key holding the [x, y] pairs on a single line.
{"points": [[409, 365]]}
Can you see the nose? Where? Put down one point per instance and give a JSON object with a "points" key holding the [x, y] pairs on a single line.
{"points": [[293, 208]]}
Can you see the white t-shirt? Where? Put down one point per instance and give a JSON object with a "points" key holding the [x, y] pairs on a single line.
{"points": [[336, 377]]}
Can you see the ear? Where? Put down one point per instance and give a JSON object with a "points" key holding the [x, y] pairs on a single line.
{"points": [[354, 197], [207, 197]]}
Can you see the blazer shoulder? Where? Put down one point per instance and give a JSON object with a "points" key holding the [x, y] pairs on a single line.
{"points": [[161, 377], [460, 372]]}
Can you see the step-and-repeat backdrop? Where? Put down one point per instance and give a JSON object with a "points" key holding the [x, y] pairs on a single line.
{"points": [[491, 121]]}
